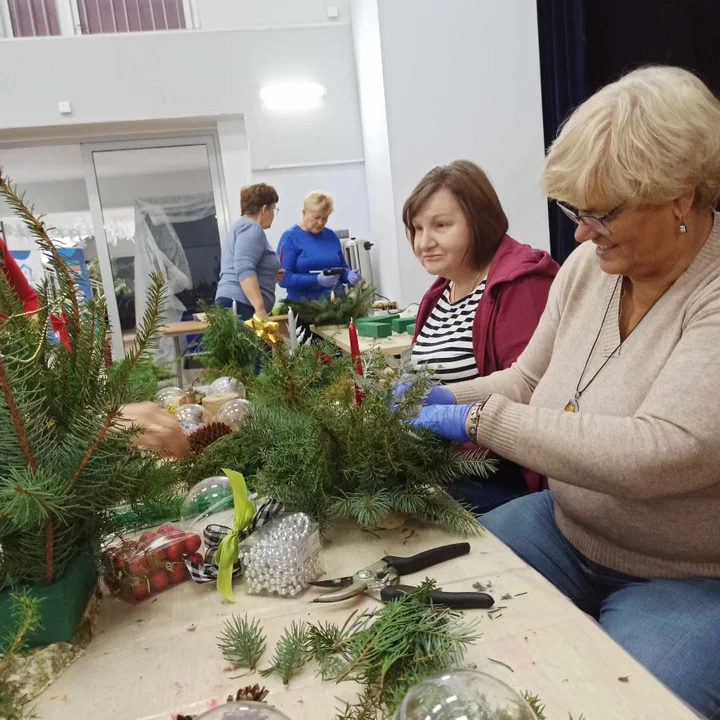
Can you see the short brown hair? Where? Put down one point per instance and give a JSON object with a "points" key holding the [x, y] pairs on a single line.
{"points": [[477, 198], [254, 198]]}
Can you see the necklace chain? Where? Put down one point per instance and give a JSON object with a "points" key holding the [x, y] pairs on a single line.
{"points": [[478, 280], [573, 405]]}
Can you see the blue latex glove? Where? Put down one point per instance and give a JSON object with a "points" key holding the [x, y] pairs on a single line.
{"points": [[327, 281], [353, 277], [447, 421], [438, 394]]}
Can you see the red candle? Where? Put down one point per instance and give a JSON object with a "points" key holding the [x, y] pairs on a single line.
{"points": [[356, 358]]}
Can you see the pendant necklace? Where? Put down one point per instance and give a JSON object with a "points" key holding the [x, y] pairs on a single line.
{"points": [[573, 405]]}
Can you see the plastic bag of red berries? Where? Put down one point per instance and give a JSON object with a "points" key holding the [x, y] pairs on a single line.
{"points": [[157, 560]]}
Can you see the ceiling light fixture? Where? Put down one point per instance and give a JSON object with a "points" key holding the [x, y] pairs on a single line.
{"points": [[292, 96]]}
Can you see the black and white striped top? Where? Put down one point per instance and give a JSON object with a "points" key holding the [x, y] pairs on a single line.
{"points": [[445, 341]]}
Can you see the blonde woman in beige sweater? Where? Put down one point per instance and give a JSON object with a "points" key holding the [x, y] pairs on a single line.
{"points": [[617, 397]]}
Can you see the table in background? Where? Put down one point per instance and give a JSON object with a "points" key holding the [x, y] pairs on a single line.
{"points": [[161, 657], [184, 328], [393, 346]]}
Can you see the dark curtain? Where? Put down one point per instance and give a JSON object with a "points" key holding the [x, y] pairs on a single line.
{"points": [[563, 71], [585, 44]]}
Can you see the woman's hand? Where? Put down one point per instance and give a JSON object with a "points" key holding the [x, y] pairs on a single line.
{"points": [[447, 421], [160, 431], [353, 277], [327, 281]]}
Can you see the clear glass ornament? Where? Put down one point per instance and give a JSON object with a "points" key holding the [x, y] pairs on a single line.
{"points": [[226, 384], [169, 397], [461, 695], [243, 711], [192, 413], [234, 412], [209, 497]]}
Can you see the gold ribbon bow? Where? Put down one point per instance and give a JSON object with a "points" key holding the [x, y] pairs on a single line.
{"points": [[268, 331], [227, 553]]}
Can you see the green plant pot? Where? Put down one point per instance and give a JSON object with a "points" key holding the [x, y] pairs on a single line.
{"points": [[61, 605]]}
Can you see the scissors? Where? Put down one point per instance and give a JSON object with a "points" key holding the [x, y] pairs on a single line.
{"points": [[380, 580]]}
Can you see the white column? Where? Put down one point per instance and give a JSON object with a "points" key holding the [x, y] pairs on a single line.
{"points": [[235, 157], [440, 82]]}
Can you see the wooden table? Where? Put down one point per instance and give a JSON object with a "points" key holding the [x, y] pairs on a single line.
{"points": [[184, 328], [159, 658], [393, 346], [177, 330]]}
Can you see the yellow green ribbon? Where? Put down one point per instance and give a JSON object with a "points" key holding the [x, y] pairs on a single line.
{"points": [[268, 331], [227, 552]]}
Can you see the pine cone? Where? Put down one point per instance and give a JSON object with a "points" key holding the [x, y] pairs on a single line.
{"points": [[205, 436], [251, 692]]}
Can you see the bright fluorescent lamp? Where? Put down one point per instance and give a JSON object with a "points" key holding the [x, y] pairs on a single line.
{"points": [[292, 96]]}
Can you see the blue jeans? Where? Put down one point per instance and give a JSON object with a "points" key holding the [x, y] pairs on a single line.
{"points": [[672, 627], [244, 311]]}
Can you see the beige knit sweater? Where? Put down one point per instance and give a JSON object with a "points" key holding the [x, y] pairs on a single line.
{"points": [[635, 474]]}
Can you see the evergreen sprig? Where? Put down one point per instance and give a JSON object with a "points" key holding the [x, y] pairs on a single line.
{"points": [[390, 650], [228, 346], [291, 653], [64, 461], [308, 445], [26, 618], [242, 642], [337, 308]]}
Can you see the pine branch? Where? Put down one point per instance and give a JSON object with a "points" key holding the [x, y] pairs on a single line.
{"points": [[145, 335], [390, 650], [17, 422], [242, 642], [107, 425], [26, 618], [535, 705], [335, 309], [37, 228], [291, 653]]}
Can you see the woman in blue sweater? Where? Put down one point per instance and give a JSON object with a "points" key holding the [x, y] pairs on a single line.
{"points": [[248, 265], [309, 248]]}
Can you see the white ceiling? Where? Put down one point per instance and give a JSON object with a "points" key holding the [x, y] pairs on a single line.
{"points": [[52, 163]]}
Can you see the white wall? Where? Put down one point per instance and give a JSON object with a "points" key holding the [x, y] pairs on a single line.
{"points": [[171, 75], [223, 14], [371, 85], [467, 81], [461, 80]]}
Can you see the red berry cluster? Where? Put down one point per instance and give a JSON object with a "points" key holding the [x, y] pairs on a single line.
{"points": [[136, 569]]}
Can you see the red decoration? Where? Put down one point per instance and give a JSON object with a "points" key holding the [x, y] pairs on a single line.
{"points": [[192, 543], [357, 359]]}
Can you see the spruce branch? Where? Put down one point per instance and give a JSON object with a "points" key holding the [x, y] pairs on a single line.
{"points": [[18, 425], [535, 705], [145, 335], [242, 642], [291, 653], [37, 228], [112, 415]]}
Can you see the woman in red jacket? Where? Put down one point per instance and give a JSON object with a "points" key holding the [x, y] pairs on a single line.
{"points": [[486, 303]]}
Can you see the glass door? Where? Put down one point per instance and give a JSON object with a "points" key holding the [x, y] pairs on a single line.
{"points": [[155, 205]]}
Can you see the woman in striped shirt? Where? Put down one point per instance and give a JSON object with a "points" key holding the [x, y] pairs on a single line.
{"points": [[486, 302]]}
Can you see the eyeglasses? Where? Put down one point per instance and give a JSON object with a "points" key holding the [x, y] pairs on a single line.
{"points": [[598, 223], [276, 210]]}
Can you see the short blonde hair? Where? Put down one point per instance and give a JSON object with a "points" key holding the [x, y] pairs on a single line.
{"points": [[319, 202], [645, 139]]}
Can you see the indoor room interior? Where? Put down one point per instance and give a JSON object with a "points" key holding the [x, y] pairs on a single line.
{"points": [[299, 297]]}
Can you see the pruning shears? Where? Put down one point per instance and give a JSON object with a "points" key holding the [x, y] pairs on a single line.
{"points": [[380, 580]]}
